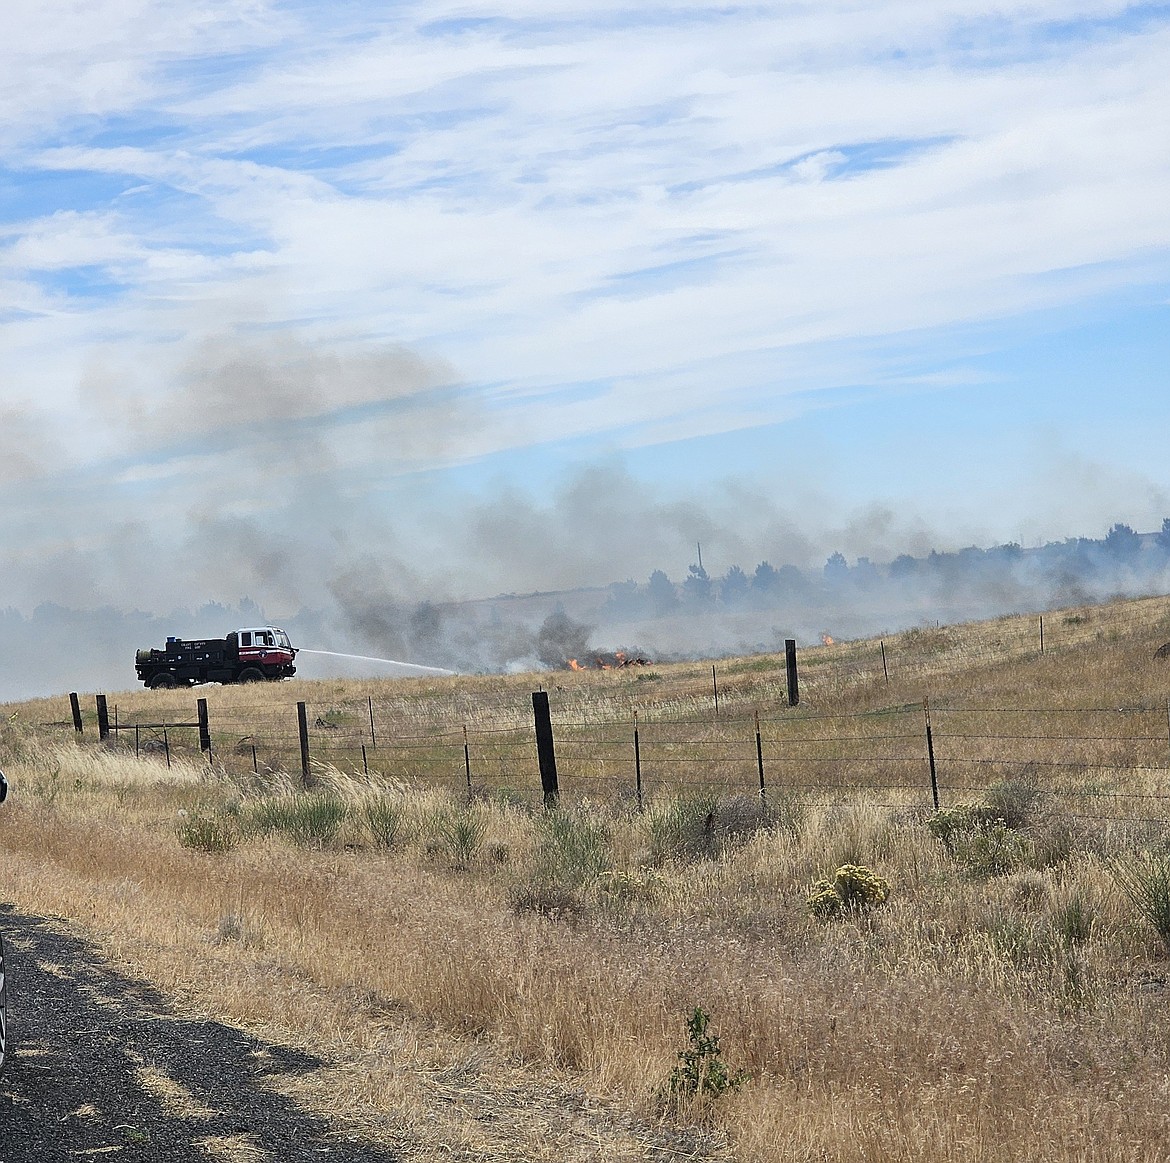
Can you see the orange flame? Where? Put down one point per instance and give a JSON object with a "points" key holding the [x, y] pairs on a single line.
{"points": [[827, 639], [575, 665]]}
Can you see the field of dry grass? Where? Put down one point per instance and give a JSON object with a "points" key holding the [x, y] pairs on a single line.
{"points": [[472, 968]]}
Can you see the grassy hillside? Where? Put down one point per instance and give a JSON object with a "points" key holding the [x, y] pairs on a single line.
{"points": [[1010, 992]]}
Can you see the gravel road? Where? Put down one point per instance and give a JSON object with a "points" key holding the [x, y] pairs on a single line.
{"points": [[102, 1068]]}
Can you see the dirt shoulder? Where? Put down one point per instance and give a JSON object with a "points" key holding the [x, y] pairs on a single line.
{"points": [[102, 1065]]}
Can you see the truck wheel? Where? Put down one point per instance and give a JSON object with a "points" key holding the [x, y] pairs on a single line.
{"points": [[162, 682], [251, 674], [3, 1007]]}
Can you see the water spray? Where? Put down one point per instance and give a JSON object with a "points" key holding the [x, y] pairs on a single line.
{"points": [[387, 661]]}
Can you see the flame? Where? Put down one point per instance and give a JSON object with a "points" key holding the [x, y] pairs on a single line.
{"points": [[827, 639], [575, 665]]}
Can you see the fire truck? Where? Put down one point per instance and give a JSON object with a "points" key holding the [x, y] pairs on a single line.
{"points": [[257, 654]]}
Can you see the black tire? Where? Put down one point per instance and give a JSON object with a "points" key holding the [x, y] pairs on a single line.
{"points": [[251, 674], [162, 682], [3, 1008]]}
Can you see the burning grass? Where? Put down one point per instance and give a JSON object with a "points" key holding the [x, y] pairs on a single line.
{"points": [[1007, 994]]}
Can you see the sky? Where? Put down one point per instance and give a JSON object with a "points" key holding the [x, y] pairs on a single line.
{"points": [[448, 299]]}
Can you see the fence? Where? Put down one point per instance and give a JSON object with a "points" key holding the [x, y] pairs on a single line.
{"points": [[1106, 763]]}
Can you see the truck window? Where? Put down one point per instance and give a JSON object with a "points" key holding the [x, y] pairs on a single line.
{"points": [[246, 638], [264, 639]]}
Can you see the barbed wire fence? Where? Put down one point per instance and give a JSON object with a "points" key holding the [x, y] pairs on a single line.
{"points": [[1104, 763]]}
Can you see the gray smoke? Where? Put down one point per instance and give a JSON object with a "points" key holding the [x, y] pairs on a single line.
{"points": [[297, 477]]}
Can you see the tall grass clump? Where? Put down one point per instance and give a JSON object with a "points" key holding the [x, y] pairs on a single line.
{"points": [[1145, 881], [311, 820], [682, 829], [572, 848], [459, 831], [383, 818]]}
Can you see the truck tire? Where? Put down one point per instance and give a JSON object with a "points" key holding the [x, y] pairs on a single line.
{"points": [[251, 674], [3, 1008], [161, 682]]}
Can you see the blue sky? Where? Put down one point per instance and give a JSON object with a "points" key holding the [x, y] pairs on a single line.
{"points": [[498, 284]]}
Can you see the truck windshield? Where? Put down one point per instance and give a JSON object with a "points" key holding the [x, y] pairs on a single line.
{"points": [[282, 640]]}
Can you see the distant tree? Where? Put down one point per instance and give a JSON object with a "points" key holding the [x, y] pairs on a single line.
{"points": [[733, 587], [623, 598], [765, 578], [790, 581], [1122, 542], [661, 593], [1163, 538], [560, 638], [697, 586], [903, 565], [865, 573], [426, 627], [836, 569]]}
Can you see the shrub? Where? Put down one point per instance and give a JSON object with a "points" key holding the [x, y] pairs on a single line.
{"points": [[700, 1071], [853, 889], [991, 850], [978, 839], [1013, 801], [549, 900], [1146, 883], [206, 833]]}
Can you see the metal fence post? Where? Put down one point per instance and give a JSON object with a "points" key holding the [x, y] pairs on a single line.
{"points": [[760, 760], [930, 753]]}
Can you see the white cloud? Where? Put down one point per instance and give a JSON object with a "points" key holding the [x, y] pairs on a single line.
{"points": [[676, 204]]}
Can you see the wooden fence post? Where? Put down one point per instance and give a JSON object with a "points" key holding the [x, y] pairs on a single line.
{"points": [[204, 728], [545, 749], [303, 728], [793, 678], [103, 714], [75, 706]]}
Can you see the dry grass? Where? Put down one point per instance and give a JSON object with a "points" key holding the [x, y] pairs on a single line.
{"points": [[1007, 997]]}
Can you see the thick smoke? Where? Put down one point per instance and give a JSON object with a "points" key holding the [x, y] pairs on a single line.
{"points": [[301, 479]]}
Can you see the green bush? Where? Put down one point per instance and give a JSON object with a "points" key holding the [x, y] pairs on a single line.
{"points": [[854, 889], [990, 851], [700, 1071], [979, 840]]}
